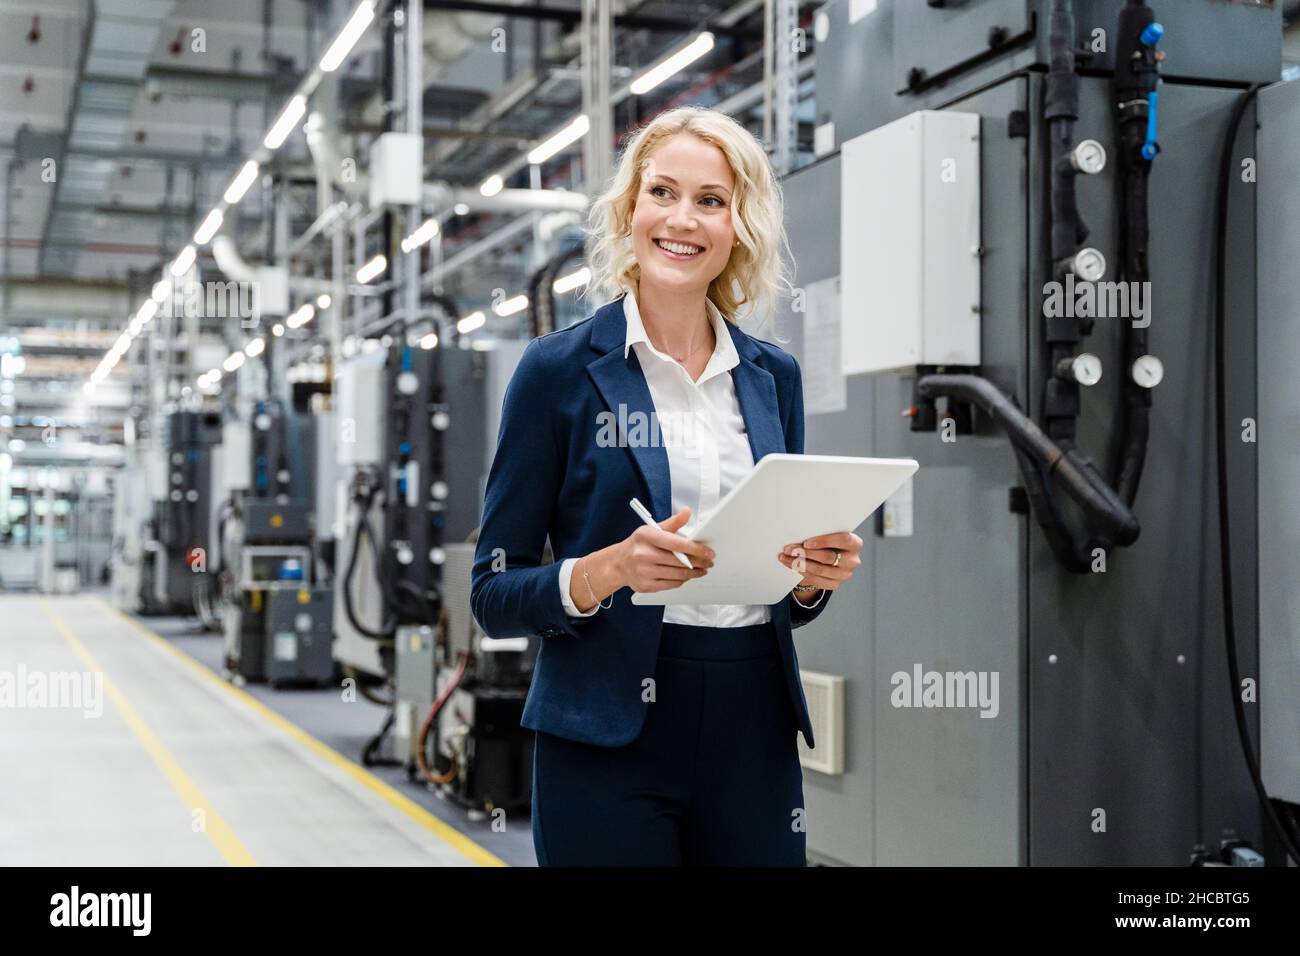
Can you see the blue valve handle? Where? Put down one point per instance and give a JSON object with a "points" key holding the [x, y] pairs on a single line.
{"points": [[1151, 146], [1151, 35]]}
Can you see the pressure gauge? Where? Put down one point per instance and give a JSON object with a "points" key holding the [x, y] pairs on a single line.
{"points": [[1089, 264], [437, 555], [1148, 371], [440, 420], [1085, 369], [403, 553], [1089, 157], [262, 422], [408, 383]]}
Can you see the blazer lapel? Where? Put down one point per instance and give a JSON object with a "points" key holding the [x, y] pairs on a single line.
{"points": [[623, 387], [756, 392]]}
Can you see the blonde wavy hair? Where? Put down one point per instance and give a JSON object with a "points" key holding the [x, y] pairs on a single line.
{"points": [[756, 270]]}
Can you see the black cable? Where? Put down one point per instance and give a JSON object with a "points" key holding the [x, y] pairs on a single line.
{"points": [[388, 629], [1290, 840], [394, 587], [368, 755]]}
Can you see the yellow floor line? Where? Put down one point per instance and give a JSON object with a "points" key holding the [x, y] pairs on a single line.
{"points": [[219, 832], [408, 807]]}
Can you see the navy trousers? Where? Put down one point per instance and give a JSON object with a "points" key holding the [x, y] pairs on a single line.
{"points": [[713, 779]]}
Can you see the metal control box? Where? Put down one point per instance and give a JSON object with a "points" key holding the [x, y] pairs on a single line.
{"points": [[270, 521], [396, 169], [909, 244], [362, 398], [299, 631], [415, 686]]}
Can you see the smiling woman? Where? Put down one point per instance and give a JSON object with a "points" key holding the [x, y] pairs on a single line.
{"points": [[707, 159], [627, 701]]}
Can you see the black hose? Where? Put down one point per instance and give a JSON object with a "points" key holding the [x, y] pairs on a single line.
{"points": [[388, 629], [1045, 512], [369, 756], [542, 291], [396, 590], [1289, 838], [1066, 466], [359, 680], [1136, 77]]}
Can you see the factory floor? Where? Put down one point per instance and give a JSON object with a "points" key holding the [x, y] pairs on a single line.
{"points": [[181, 768]]}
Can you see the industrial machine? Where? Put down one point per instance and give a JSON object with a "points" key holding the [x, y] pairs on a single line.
{"points": [[402, 622], [1015, 252], [459, 699], [276, 620], [398, 407], [162, 530]]}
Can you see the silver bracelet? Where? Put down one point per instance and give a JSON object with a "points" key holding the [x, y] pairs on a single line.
{"points": [[590, 591]]}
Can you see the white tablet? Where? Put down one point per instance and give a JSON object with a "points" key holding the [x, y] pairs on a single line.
{"points": [[786, 498]]}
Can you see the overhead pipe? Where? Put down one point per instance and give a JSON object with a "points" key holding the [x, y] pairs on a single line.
{"points": [[229, 261], [322, 138], [235, 267], [441, 197]]}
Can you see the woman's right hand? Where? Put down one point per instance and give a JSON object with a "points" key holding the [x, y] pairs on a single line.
{"points": [[646, 560]]}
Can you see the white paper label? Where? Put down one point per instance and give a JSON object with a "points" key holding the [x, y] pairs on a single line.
{"points": [[286, 646], [823, 368]]}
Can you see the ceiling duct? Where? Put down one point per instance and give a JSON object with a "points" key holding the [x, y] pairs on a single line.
{"points": [[121, 35]]}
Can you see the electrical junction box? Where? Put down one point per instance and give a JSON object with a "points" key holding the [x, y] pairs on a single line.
{"points": [[396, 169], [362, 400], [909, 243], [271, 299], [415, 678], [236, 453]]}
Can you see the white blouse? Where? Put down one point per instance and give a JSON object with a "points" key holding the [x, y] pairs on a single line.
{"points": [[708, 450]]}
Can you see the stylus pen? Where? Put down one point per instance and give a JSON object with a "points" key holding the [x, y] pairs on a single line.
{"points": [[645, 516]]}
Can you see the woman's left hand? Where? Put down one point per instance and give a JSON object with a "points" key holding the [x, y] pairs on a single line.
{"points": [[826, 560]]}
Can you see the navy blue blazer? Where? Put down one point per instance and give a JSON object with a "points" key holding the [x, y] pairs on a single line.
{"points": [[552, 477]]}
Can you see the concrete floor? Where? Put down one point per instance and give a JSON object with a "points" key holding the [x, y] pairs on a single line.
{"points": [[181, 768]]}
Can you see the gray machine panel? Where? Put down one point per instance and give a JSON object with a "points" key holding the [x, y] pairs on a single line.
{"points": [[1229, 40], [299, 631], [268, 520], [1279, 444], [924, 786], [861, 66], [466, 377], [1113, 685], [1134, 715], [939, 38]]}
